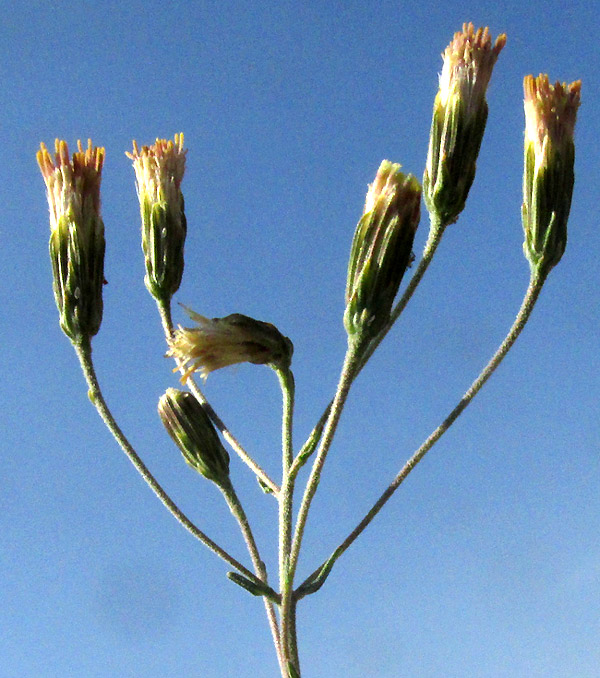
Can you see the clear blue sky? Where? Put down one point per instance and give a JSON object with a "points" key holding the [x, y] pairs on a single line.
{"points": [[487, 561]]}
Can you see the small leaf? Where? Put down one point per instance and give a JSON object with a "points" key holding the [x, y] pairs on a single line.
{"points": [[315, 436], [253, 587], [264, 487], [318, 580]]}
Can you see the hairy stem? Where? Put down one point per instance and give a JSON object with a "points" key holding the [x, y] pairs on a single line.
{"points": [[238, 512], [346, 378], [287, 610]]}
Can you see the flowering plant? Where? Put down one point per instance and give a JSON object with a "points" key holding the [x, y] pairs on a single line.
{"points": [[381, 253]]}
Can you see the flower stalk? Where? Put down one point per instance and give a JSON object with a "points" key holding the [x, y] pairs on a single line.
{"points": [[84, 353], [315, 580]]}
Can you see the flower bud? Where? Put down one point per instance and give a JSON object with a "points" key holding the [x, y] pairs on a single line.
{"points": [[159, 171], [459, 116], [550, 113], [219, 342], [381, 249], [76, 235], [192, 431]]}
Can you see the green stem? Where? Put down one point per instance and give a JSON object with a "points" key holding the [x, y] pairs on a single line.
{"points": [[164, 309], [166, 318], [236, 508], [84, 353], [535, 286], [292, 638], [346, 378], [287, 609]]}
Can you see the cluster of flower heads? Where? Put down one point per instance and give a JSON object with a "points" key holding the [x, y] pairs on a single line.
{"points": [[382, 245]]}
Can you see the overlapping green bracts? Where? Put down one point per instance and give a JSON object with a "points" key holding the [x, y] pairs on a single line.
{"points": [[76, 235], [381, 250], [548, 177], [192, 431], [459, 117], [159, 171]]}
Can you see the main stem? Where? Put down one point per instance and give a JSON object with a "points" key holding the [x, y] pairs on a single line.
{"points": [[346, 377], [286, 583], [84, 353], [533, 291]]}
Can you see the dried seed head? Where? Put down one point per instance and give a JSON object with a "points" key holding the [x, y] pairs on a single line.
{"points": [[218, 342]]}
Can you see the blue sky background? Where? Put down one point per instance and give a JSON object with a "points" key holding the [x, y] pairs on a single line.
{"points": [[487, 562]]}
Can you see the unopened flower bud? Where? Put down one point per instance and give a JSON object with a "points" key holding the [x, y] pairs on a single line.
{"points": [[550, 113], [159, 171], [192, 431], [76, 235], [459, 116], [381, 249], [219, 342]]}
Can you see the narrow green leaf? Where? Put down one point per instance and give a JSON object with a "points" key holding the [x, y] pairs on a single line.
{"points": [[255, 588]]}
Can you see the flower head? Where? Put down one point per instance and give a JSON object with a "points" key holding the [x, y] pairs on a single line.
{"points": [[191, 430], [459, 118], [159, 171], [219, 342], [468, 63], [550, 114], [381, 249], [76, 235]]}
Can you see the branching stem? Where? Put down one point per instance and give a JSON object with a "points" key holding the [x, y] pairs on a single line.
{"points": [[535, 286], [84, 353], [346, 377]]}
